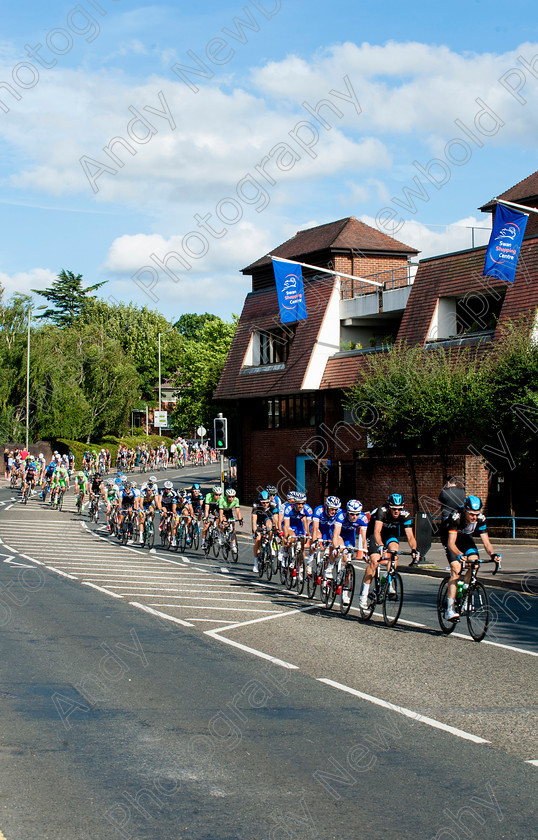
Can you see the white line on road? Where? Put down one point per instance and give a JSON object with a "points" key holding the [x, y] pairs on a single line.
{"points": [[63, 574], [495, 644], [532, 761], [406, 712], [218, 609], [215, 635], [101, 589], [160, 614]]}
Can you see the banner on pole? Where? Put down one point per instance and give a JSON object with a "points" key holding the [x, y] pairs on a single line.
{"points": [[290, 290], [504, 244]]}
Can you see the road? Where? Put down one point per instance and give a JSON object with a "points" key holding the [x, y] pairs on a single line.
{"points": [[162, 695]]}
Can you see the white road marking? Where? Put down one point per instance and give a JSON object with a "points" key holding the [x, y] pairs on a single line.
{"points": [[495, 644], [253, 651], [101, 589], [532, 761], [406, 712], [63, 574], [218, 609], [160, 614]]}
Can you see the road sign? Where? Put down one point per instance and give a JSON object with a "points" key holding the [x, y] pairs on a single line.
{"points": [[160, 419], [201, 432]]}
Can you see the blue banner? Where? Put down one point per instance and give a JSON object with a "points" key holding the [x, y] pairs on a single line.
{"points": [[290, 290], [504, 244]]}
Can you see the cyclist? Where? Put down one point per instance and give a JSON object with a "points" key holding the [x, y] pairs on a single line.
{"points": [[350, 528], [278, 504], [167, 505], [263, 515], [81, 485], [60, 480], [96, 485], [30, 475], [323, 522], [211, 505], [228, 508], [387, 524], [296, 521], [465, 522], [111, 496], [149, 492], [128, 501], [197, 501]]}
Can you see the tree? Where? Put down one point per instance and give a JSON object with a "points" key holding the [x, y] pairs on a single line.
{"points": [[415, 401], [137, 328], [190, 324], [67, 296], [202, 360]]}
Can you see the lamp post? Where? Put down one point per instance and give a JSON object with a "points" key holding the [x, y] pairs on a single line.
{"points": [[160, 388], [30, 308]]}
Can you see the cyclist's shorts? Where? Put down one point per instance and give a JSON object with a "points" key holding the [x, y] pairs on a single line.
{"points": [[465, 544], [267, 523], [298, 530], [228, 513], [148, 505], [389, 543], [126, 505]]}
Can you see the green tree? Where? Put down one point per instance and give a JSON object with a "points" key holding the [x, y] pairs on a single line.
{"points": [[67, 297], [190, 324], [137, 329], [417, 401], [202, 361]]}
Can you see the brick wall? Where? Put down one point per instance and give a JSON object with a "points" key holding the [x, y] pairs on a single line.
{"points": [[368, 265]]}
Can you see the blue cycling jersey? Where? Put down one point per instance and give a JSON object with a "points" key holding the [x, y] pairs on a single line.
{"points": [[326, 523], [296, 517], [349, 529]]}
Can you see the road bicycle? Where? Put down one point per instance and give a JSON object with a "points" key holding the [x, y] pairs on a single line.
{"points": [[265, 559], [228, 543], [195, 530], [93, 513], [78, 502], [315, 565], [57, 497], [165, 528], [125, 530], [295, 565], [212, 538], [471, 600], [386, 588], [338, 578], [26, 494], [148, 532]]}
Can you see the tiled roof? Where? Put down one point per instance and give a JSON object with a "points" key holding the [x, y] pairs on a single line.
{"points": [[525, 189], [344, 234], [261, 312], [452, 275], [455, 275]]}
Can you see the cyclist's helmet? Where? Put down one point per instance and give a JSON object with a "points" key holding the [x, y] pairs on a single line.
{"points": [[473, 503], [153, 479], [354, 506], [271, 489], [264, 496], [127, 485], [168, 485], [217, 490], [332, 503], [81, 475], [110, 482], [395, 500], [196, 486], [133, 483], [230, 492], [300, 498], [289, 495]]}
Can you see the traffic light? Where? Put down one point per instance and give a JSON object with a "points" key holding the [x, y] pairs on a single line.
{"points": [[220, 431]]}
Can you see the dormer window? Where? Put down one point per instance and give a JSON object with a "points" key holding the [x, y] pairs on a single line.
{"points": [[269, 347]]}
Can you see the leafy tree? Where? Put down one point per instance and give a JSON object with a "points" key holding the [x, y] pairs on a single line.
{"points": [[67, 297], [202, 361], [137, 329], [418, 401], [190, 324]]}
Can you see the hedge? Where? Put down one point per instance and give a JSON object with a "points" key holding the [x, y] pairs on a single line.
{"points": [[111, 443]]}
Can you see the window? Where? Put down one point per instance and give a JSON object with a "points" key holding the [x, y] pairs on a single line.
{"points": [[270, 347], [475, 312], [287, 412]]}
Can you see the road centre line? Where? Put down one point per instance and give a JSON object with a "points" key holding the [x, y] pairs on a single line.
{"points": [[63, 574], [528, 761], [215, 635], [460, 733], [188, 597], [283, 614], [172, 618], [495, 644]]}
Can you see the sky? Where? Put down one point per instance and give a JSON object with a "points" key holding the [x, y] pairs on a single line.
{"points": [[164, 147]]}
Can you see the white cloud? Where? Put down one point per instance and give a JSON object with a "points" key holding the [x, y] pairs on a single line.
{"points": [[435, 240], [24, 281]]}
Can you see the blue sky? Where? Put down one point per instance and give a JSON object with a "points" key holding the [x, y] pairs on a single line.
{"points": [[116, 166]]}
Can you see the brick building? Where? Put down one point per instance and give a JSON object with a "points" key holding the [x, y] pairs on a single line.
{"points": [[289, 380]]}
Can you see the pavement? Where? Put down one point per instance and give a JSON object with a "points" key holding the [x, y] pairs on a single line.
{"points": [[519, 567]]}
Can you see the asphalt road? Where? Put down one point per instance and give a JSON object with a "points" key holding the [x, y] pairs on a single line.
{"points": [[158, 695]]}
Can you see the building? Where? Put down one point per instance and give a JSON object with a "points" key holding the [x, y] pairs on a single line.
{"points": [[290, 380]]}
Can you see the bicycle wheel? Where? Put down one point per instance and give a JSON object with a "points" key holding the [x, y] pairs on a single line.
{"points": [[79, 505], [283, 566], [165, 537], [215, 539], [207, 547], [273, 548], [234, 549], [367, 613], [96, 512], [393, 599], [181, 539], [311, 577], [195, 536], [477, 608], [347, 588], [150, 535], [290, 568], [300, 573], [262, 561], [61, 501], [446, 626], [225, 547], [268, 565], [25, 497]]}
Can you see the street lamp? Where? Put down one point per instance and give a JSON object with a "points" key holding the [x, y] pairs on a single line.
{"points": [[160, 390], [30, 308]]}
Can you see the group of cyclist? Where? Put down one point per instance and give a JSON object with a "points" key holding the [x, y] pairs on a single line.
{"points": [[341, 529]]}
